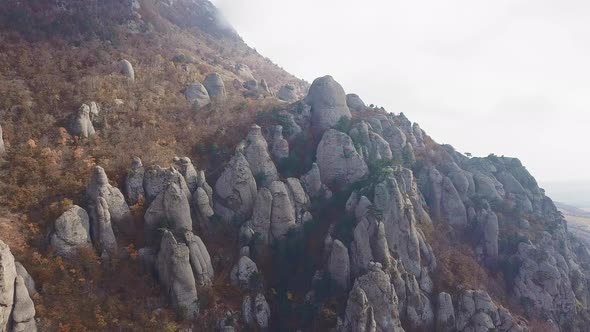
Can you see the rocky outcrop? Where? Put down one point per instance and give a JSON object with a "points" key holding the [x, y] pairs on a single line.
{"points": [[203, 205], [381, 297], [339, 264], [490, 230], [282, 217], [81, 125], [17, 310], [359, 315], [445, 313], [126, 68], [134, 182], [256, 153], [242, 273], [71, 232], [170, 210], [477, 312], [199, 259], [29, 282], [235, 190], [370, 145], [354, 102], [23, 312], [444, 199], [312, 182], [176, 275], [7, 278], [287, 93], [99, 187], [101, 229], [338, 159], [328, 104], [279, 147], [256, 312], [156, 179], [244, 72], [260, 222], [197, 95], [215, 87], [185, 166], [2, 147]]}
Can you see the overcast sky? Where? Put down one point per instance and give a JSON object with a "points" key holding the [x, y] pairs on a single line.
{"points": [[510, 77]]}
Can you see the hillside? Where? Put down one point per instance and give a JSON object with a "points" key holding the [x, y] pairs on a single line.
{"points": [[157, 174]]}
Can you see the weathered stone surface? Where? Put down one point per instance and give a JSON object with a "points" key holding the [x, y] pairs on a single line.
{"points": [[244, 72], [338, 160], [202, 183], [354, 102], [29, 282], [381, 296], [287, 93], [242, 272], [176, 275], [359, 315], [197, 95], [256, 153], [264, 87], [23, 312], [202, 205], [102, 231], [312, 182], [283, 213], [215, 87], [7, 277], [445, 313], [134, 181], [279, 146], [339, 264], [126, 68], [200, 259], [185, 167], [477, 312], [156, 179], [170, 210], [328, 104], [71, 232], [370, 145], [81, 125], [99, 187], [235, 190], [260, 222], [452, 207], [256, 311], [2, 146], [490, 229]]}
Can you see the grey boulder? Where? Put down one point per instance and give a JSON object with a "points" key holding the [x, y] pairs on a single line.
{"points": [[328, 104], [338, 159], [71, 232], [197, 95], [215, 87]]}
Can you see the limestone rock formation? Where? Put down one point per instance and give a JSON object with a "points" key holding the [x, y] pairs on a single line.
{"points": [[134, 182], [126, 68], [354, 102], [445, 313], [156, 179], [339, 264], [176, 275], [256, 153], [359, 315], [287, 93], [312, 183], [197, 95], [185, 166], [99, 187], [242, 272], [71, 232], [7, 278], [29, 282], [102, 231], [81, 125], [215, 87], [328, 104], [2, 147], [244, 72], [23, 312], [381, 297], [200, 259], [338, 159], [477, 312], [371, 145], [279, 147], [235, 190], [260, 222], [170, 210], [203, 205], [256, 311], [282, 217]]}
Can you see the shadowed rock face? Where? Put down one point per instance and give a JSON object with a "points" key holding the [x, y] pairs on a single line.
{"points": [[126, 68], [197, 95], [81, 124], [171, 210], [99, 187], [7, 277], [328, 104], [354, 102], [235, 190], [287, 93], [258, 157], [71, 232], [2, 147]]}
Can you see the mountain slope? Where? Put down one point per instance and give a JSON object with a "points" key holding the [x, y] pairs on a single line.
{"points": [[320, 214]]}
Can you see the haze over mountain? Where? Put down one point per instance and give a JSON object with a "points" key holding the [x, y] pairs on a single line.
{"points": [[503, 77]]}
